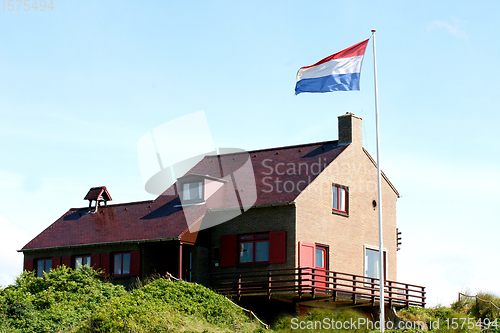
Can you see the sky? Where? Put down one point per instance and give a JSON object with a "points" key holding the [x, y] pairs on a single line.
{"points": [[82, 82]]}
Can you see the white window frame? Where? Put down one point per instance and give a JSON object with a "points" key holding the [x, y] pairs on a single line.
{"points": [[365, 263], [186, 193]]}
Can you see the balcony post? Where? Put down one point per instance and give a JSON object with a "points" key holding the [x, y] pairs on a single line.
{"points": [[334, 292], [372, 285], [390, 294], [269, 284], [353, 289], [300, 282], [239, 287], [407, 296], [313, 283]]}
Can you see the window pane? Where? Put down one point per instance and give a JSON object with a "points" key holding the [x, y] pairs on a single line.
{"points": [[246, 252], [39, 268], [262, 251], [342, 199], [320, 258], [48, 265], [335, 198], [126, 263], [194, 191], [185, 192], [372, 263], [200, 188], [78, 262], [262, 236], [86, 261], [118, 264], [246, 237]]}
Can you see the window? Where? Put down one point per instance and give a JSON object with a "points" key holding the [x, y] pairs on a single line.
{"points": [[372, 263], [82, 261], [43, 265], [121, 264], [254, 248], [192, 191], [321, 257], [339, 203]]}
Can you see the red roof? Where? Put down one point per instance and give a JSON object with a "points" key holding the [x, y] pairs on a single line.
{"points": [[279, 174]]}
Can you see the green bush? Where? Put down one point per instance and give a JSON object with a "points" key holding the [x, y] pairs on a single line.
{"points": [[60, 301], [440, 319], [163, 305], [320, 320], [67, 300]]}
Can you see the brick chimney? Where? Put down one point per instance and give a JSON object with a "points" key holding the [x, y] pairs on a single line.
{"points": [[350, 129]]}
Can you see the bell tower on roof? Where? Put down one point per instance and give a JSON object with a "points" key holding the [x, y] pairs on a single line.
{"points": [[98, 194]]}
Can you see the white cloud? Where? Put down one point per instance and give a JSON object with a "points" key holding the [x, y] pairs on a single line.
{"points": [[453, 30]]}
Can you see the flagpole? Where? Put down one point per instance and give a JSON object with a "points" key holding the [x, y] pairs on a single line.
{"points": [[380, 234]]}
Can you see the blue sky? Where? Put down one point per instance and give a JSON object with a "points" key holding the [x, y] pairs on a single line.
{"points": [[81, 84]]}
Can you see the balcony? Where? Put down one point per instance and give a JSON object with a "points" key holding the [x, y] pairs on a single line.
{"points": [[314, 286]]}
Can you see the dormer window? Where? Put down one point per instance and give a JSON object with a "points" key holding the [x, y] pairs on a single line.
{"points": [[196, 189], [192, 191]]}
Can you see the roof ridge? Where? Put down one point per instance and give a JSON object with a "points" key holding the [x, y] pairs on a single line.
{"points": [[115, 205], [293, 146], [279, 148]]}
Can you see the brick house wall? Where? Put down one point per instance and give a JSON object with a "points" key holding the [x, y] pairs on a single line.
{"points": [[347, 236], [256, 220]]}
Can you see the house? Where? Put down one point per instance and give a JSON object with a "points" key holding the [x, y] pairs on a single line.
{"points": [[309, 234]]}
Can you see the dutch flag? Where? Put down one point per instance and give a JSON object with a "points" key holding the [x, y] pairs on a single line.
{"points": [[338, 72]]}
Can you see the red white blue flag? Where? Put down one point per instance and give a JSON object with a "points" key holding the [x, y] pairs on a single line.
{"points": [[338, 72]]}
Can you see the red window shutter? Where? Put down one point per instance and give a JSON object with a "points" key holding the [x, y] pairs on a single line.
{"points": [[307, 258], [56, 262], [228, 250], [135, 263], [277, 247], [28, 265], [105, 262], [95, 260], [307, 254], [66, 261]]}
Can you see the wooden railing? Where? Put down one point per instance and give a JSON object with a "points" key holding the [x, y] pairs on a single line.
{"points": [[314, 282]]}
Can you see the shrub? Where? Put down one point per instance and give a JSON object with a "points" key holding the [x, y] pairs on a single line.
{"points": [[163, 305], [60, 301]]}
